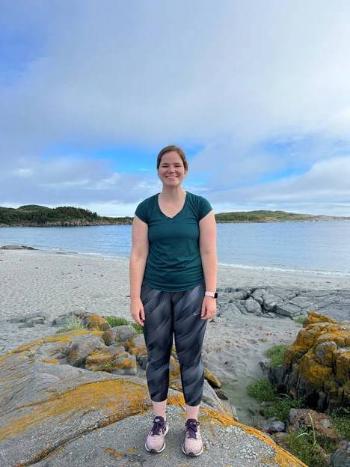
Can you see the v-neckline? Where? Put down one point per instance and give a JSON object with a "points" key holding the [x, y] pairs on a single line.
{"points": [[165, 215]]}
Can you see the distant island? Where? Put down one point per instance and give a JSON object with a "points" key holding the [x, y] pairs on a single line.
{"points": [[32, 215]]}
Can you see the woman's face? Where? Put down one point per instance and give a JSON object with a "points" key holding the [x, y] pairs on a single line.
{"points": [[171, 170]]}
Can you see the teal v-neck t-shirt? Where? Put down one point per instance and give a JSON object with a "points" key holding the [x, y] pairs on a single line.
{"points": [[174, 262]]}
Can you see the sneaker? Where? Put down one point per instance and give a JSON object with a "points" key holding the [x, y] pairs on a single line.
{"points": [[192, 445], [155, 441]]}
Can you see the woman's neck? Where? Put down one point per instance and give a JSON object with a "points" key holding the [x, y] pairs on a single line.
{"points": [[174, 193]]}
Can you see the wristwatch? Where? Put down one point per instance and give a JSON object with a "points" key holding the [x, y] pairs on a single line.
{"points": [[211, 294]]}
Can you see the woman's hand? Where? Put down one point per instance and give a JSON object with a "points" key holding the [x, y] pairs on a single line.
{"points": [[137, 311], [208, 308]]}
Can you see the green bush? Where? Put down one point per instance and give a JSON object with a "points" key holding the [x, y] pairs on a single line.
{"points": [[114, 321], [276, 354], [262, 390], [281, 406]]}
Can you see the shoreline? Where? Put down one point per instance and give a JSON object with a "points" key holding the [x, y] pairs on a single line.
{"points": [[55, 283]]}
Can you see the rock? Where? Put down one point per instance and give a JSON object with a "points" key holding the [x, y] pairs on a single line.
{"points": [[103, 360], [54, 414], [124, 332], [136, 345], [252, 306], [317, 364], [125, 364], [341, 457], [287, 309], [273, 426], [320, 422], [17, 247], [314, 317], [81, 347], [96, 322], [212, 379]]}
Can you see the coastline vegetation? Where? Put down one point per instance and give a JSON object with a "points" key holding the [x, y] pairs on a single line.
{"points": [[33, 215]]}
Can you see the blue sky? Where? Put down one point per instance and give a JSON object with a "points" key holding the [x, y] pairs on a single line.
{"points": [[257, 93]]}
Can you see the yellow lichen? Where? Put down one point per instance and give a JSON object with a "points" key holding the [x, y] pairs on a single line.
{"points": [[116, 398]]}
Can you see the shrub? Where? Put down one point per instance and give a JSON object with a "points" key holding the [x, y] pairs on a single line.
{"points": [[303, 444], [71, 323], [262, 390], [276, 354], [116, 321]]}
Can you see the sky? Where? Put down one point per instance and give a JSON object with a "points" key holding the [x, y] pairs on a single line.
{"points": [[256, 92]]}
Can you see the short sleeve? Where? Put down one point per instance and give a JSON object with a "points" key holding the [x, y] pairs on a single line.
{"points": [[204, 207], [142, 211]]}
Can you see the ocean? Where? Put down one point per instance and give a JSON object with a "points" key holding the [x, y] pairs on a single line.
{"points": [[313, 246]]}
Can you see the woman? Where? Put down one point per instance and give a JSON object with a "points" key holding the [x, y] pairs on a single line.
{"points": [[173, 269]]}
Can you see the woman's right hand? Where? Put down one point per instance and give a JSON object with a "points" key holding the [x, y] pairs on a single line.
{"points": [[137, 311]]}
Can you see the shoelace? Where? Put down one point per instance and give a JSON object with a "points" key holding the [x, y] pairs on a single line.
{"points": [[158, 425], [191, 428]]}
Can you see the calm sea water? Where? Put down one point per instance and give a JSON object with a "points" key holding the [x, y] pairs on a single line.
{"points": [[318, 246]]}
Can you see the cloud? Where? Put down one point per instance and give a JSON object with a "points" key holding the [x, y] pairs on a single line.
{"points": [[228, 77]]}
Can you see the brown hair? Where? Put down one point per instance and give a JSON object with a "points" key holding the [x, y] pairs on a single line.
{"points": [[172, 147]]}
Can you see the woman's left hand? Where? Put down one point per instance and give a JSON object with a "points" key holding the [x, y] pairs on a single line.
{"points": [[208, 308]]}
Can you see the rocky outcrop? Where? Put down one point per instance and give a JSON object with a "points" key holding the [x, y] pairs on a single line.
{"points": [[317, 364], [279, 302], [53, 413]]}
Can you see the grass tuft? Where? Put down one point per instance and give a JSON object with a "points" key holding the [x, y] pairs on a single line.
{"points": [[114, 321], [276, 354], [71, 323], [262, 390]]}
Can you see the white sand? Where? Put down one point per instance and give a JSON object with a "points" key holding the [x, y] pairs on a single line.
{"points": [[54, 283]]}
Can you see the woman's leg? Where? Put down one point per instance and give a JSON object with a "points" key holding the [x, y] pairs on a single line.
{"points": [[158, 332], [189, 331]]}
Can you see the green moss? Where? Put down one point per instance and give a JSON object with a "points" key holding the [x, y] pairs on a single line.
{"points": [[262, 390], [341, 421], [276, 354], [114, 321], [138, 328]]}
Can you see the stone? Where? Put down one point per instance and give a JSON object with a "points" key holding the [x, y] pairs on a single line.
{"points": [[81, 347], [252, 306], [118, 334], [273, 426], [62, 415], [96, 322], [307, 418], [341, 457]]}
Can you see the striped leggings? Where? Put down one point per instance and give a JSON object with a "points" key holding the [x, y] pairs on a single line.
{"points": [[178, 314]]}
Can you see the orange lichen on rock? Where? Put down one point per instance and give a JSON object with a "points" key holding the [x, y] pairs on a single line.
{"points": [[116, 398], [97, 322], [212, 379], [281, 457], [314, 317], [63, 338], [314, 372]]}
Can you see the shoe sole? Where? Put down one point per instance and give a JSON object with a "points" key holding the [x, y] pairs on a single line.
{"points": [[191, 454], [154, 451]]}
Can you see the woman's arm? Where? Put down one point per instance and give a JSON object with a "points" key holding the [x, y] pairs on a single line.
{"points": [[207, 245], [137, 263]]}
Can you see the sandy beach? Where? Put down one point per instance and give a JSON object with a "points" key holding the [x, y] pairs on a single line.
{"points": [[54, 283]]}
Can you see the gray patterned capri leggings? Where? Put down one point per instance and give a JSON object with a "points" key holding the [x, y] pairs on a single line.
{"points": [[169, 314]]}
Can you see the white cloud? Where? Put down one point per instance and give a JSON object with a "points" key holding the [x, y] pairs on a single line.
{"points": [[227, 77]]}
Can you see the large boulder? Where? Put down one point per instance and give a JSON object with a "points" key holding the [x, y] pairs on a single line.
{"points": [[55, 414], [317, 364]]}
